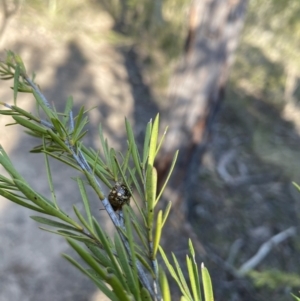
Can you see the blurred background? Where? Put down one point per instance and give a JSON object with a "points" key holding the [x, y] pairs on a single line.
{"points": [[224, 75]]}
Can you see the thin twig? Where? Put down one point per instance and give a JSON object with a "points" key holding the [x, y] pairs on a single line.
{"points": [[265, 249]]}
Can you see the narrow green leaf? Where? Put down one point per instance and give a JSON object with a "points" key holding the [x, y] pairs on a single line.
{"points": [[78, 134], [20, 63], [59, 128], [93, 182], [151, 182], [296, 185], [63, 159], [164, 285], [41, 102], [30, 125], [187, 293], [207, 286], [25, 113], [100, 255], [78, 119], [133, 286], [166, 213], [80, 238], [104, 146], [146, 143], [126, 160], [161, 141], [50, 181], [16, 82], [298, 299], [136, 182], [111, 295], [168, 177], [9, 113], [20, 202], [8, 166], [151, 186], [157, 233], [57, 140], [118, 288], [44, 203], [88, 259], [113, 165], [130, 239], [68, 108], [86, 202], [134, 149], [145, 295], [138, 230], [153, 141], [107, 247], [171, 269], [143, 261], [83, 221], [78, 138], [50, 222], [192, 278], [67, 234], [195, 269]]}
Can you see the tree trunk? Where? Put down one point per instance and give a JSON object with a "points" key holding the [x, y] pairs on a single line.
{"points": [[198, 85]]}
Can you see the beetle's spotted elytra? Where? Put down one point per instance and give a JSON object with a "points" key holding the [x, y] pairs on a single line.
{"points": [[119, 196]]}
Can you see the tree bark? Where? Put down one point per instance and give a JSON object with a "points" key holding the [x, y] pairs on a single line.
{"points": [[198, 85]]}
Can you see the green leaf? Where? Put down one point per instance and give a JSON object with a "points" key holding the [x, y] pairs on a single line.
{"points": [[195, 271], [134, 149], [117, 288], [153, 141], [146, 144], [50, 181], [68, 109], [186, 289], [157, 233], [20, 63], [145, 295], [298, 299], [86, 202], [133, 283], [20, 202], [58, 140], [41, 102], [83, 221], [296, 185], [193, 279], [25, 113], [207, 286], [16, 82], [130, 239], [113, 164], [62, 159], [111, 295], [126, 160], [30, 125], [170, 268], [100, 255], [45, 204], [161, 141], [68, 234], [164, 285], [50, 222], [166, 213], [168, 177], [107, 247]]}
